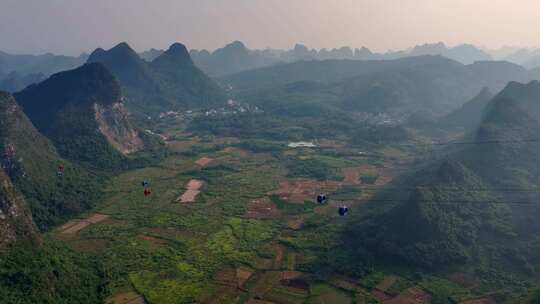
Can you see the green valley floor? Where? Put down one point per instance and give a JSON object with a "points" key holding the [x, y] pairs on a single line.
{"points": [[224, 224]]}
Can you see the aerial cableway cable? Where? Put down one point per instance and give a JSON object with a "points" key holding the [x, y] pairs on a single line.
{"points": [[454, 202], [463, 143], [430, 187]]}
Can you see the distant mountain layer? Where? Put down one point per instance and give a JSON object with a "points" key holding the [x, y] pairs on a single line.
{"points": [[526, 57], [327, 71], [457, 211], [170, 82], [465, 53], [46, 64], [150, 54], [469, 115], [236, 57], [529, 58], [423, 86], [14, 81], [232, 58], [82, 113], [19, 71]]}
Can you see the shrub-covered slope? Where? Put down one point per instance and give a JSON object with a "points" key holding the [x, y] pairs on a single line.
{"points": [[476, 206], [33, 167], [81, 112]]}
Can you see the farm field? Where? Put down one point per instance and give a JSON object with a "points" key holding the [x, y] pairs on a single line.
{"points": [[228, 225]]}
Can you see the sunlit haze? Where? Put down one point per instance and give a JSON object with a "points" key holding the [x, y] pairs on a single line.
{"points": [[70, 27]]}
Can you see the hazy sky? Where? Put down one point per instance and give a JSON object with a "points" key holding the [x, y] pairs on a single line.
{"points": [[73, 26]]}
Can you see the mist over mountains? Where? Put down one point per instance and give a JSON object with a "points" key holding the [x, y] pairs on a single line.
{"points": [[456, 200], [427, 147], [18, 71], [421, 87], [216, 63]]}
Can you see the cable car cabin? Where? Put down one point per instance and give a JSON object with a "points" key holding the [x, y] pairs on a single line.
{"points": [[343, 210], [60, 171], [7, 163], [9, 152]]}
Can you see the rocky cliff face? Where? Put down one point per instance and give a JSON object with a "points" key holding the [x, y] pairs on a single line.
{"points": [[82, 113], [16, 223], [30, 162], [114, 125]]}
